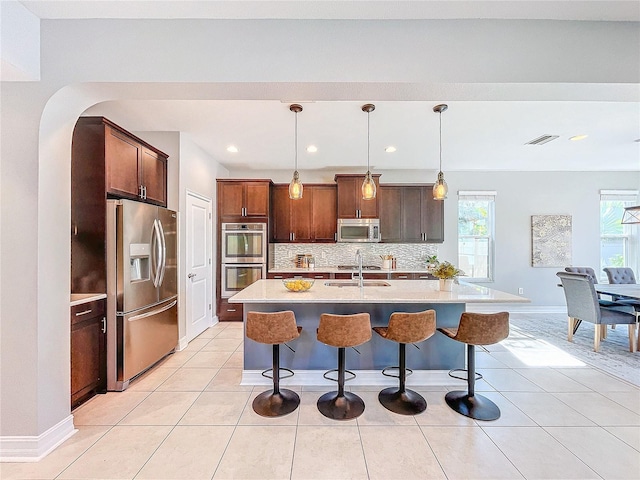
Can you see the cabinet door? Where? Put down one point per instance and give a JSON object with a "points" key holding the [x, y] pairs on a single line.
{"points": [[301, 217], [325, 222], [85, 358], [230, 198], [280, 214], [348, 203], [432, 216], [121, 157], [391, 214], [368, 208], [412, 206], [154, 176], [256, 201]]}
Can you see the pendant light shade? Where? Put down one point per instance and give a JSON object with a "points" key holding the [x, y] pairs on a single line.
{"points": [[631, 215], [440, 188], [368, 186], [295, 187]]}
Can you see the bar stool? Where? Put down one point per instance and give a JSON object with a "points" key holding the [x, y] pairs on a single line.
{"points": [[476, 329], [342, 331], [405, 328], [274, 328]]}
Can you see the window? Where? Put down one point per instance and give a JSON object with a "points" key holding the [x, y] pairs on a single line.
{"points": [[476, 220], [617, 248]]}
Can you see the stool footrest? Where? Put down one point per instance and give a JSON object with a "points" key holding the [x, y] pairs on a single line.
{"points": [[270, 375], [478, 375], [326, 375], [384, 372]]}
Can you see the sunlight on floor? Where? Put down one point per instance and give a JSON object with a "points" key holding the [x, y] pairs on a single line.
{"points": [[538, 353]]}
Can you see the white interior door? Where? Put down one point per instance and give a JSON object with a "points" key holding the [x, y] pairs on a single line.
{"points": [[198, 265]]}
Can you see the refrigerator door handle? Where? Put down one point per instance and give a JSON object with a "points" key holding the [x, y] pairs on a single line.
{"points": [[163, 251], [156, 246], [153, 312]]}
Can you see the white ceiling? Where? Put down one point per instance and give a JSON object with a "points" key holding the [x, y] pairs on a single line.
{"points": [[477, 135]]}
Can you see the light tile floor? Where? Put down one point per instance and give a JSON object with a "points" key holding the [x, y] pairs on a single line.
{"points": [[189, 418]]}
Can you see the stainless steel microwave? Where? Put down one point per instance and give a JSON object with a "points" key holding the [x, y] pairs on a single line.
{"points": [[358, 229]]}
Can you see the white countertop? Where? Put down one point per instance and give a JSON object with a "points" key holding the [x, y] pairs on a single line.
{"points": [[80, 298], [399, 291]]}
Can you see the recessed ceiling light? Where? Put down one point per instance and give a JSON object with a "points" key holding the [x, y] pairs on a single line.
{"points": [[390, 149], [312, 149], [232, 149], [575, 138]]}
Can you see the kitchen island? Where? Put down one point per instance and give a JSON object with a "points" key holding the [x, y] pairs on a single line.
{"points": [[312, 358]]}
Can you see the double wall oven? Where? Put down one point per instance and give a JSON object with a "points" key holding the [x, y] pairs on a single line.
{"points": [[244, 255]]}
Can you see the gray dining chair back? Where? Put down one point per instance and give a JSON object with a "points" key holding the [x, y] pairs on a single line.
{"points": [[586, 270], [620, 275], [582, 305]]}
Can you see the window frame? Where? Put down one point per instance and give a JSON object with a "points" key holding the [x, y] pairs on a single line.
{"points": [[630, 254], [489, 196]]}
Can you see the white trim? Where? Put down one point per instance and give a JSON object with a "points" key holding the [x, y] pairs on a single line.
{"points": [[363, 377], [618, 192], [182, 344], [30, 448], [492, 193]]}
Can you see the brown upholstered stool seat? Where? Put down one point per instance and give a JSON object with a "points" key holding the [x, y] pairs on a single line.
{"points": [[405, 328], [274, 328], [342, 331], [476, 329]]}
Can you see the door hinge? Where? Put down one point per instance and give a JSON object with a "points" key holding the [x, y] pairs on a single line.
{"points": [[209, 215], [209, 261], [209, 306]]}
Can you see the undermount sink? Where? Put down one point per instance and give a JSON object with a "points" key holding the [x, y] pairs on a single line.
{"points": [[365, 283]]}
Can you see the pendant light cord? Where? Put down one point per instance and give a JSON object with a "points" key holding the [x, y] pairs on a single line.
{"points": [[440, 116], [368, 142], [296, 141]]}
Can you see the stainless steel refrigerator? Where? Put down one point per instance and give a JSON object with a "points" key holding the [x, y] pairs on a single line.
{"points": [[142, 300]]}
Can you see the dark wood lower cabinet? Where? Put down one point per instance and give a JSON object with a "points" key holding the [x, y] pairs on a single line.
{"points": [[229, 312], [88, 351]]}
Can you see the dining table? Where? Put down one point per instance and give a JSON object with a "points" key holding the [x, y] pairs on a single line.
{"points": [[629, 290]]}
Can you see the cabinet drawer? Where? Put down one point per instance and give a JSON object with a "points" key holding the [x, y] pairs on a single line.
{"points": [[401, 276], [423, 276], [310, 274], [84, 311], [229, 312]]}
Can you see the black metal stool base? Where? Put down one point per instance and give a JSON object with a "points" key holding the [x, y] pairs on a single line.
{"points": [[474, 406], [404, 403], [269, 404], [338, 407]]}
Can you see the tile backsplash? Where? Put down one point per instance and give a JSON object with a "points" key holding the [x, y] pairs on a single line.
{"points": [[408, 255]]}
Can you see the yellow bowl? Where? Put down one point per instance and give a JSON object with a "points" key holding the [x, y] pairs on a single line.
{"points": [[298, 284]]}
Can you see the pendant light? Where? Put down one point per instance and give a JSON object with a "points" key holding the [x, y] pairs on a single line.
{"points": [[631, 215], [440, 188], [295, 187], [368, 186]]}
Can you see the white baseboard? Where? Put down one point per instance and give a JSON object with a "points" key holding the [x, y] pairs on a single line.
{"points": [[363, 377], [182, 344], [215, 320], [29, 448]]}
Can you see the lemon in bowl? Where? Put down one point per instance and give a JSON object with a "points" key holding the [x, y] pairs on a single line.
{"points": [[298, 284]]}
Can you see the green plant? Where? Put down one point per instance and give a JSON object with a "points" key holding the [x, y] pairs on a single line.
{"points": [[446, 270]]}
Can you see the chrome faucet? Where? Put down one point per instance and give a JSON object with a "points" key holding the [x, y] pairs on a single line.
{"points": [[359, 262]]}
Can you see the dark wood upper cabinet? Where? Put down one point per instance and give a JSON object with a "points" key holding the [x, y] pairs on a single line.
{"points": [[309, 219], [409, 214], [350, 202], [106, 161], [238, 199]]}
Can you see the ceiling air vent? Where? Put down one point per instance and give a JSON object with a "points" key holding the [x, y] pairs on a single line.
{"points": [[542, 140]]}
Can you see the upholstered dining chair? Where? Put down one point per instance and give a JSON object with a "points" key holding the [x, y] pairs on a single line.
{"points": [[582, 305], [622, 275]]}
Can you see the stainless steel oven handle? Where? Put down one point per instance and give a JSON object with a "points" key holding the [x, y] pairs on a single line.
{"points": [[153, 312]]}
